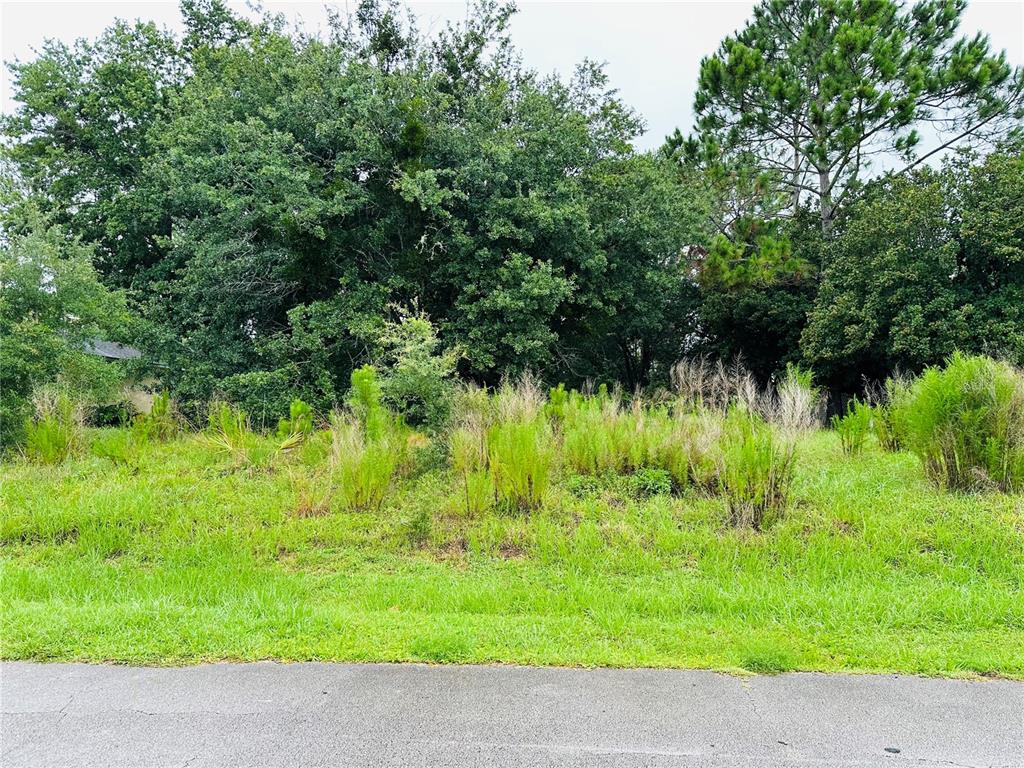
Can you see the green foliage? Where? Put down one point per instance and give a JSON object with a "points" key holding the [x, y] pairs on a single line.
{"points": [[755, 472], [809, 92], [887, 417], [927, 264], [52, 305], [371, 445], [121, 446], [299, 421], [558, 402], [647, 482], [416, 378], [365, 401], [231, 433], [364, 465], [854, 426], [467, 447], [418, 527], [54, 432], [311, 182], [521, 458], [259, 568], [965, 422], [161, 423], [263, 395]]}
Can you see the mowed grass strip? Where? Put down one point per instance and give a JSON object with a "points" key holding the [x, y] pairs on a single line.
{"points": [[183, 559]]}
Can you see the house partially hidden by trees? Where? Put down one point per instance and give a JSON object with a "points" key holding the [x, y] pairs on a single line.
{"points": [[111, 350]]}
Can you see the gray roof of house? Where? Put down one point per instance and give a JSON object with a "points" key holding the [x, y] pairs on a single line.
{"points": [[112, 350]]}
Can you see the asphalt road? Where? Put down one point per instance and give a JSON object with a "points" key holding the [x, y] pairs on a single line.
{"points": [[411, 715]]}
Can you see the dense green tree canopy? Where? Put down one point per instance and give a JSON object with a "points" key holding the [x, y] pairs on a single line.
{"points": [[276, 191], [266, 202], [52, 305], [927, 264]]}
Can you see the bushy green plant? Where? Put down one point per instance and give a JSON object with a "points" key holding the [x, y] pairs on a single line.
{"points": [[299, 421], [263, 395], [889, 430], [558, 403], [755, 472], [365, 403], [416, 374], [965, 421], [54, 431], [854, 426], [160, 423], [647, 482], [363, 468]]}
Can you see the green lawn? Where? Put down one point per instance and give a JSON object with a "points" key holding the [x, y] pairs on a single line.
{"points": [[182, 560]]}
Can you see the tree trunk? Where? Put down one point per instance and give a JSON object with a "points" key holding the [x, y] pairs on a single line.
{"points": [[825, 191], [796, 167]]}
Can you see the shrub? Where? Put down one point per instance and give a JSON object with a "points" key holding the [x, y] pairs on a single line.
{"points": [[364, 402], [262, 395], [648, 482], [966, 423], [755, 469], [558, 403], [889, 430], [416, 378], [854, 426], [54, 432], [370, 445]]}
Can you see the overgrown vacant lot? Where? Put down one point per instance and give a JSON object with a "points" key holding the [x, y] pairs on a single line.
{"points": [[180, 556]]}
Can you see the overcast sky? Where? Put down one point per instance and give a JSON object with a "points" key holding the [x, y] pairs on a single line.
{"points": [[652, 50]]}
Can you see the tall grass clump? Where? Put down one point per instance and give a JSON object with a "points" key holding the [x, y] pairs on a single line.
{"points": [[520, 446], [965, 421], [889, 430], [55, 429], [700, 384], [363, 468], [370, 445], [468, 450], [798, 404], [599, 435], [854, 426], [755, 469], [161, 423]]}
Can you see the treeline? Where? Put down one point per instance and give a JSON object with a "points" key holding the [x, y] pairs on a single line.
{"points": [[259, 209]]}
